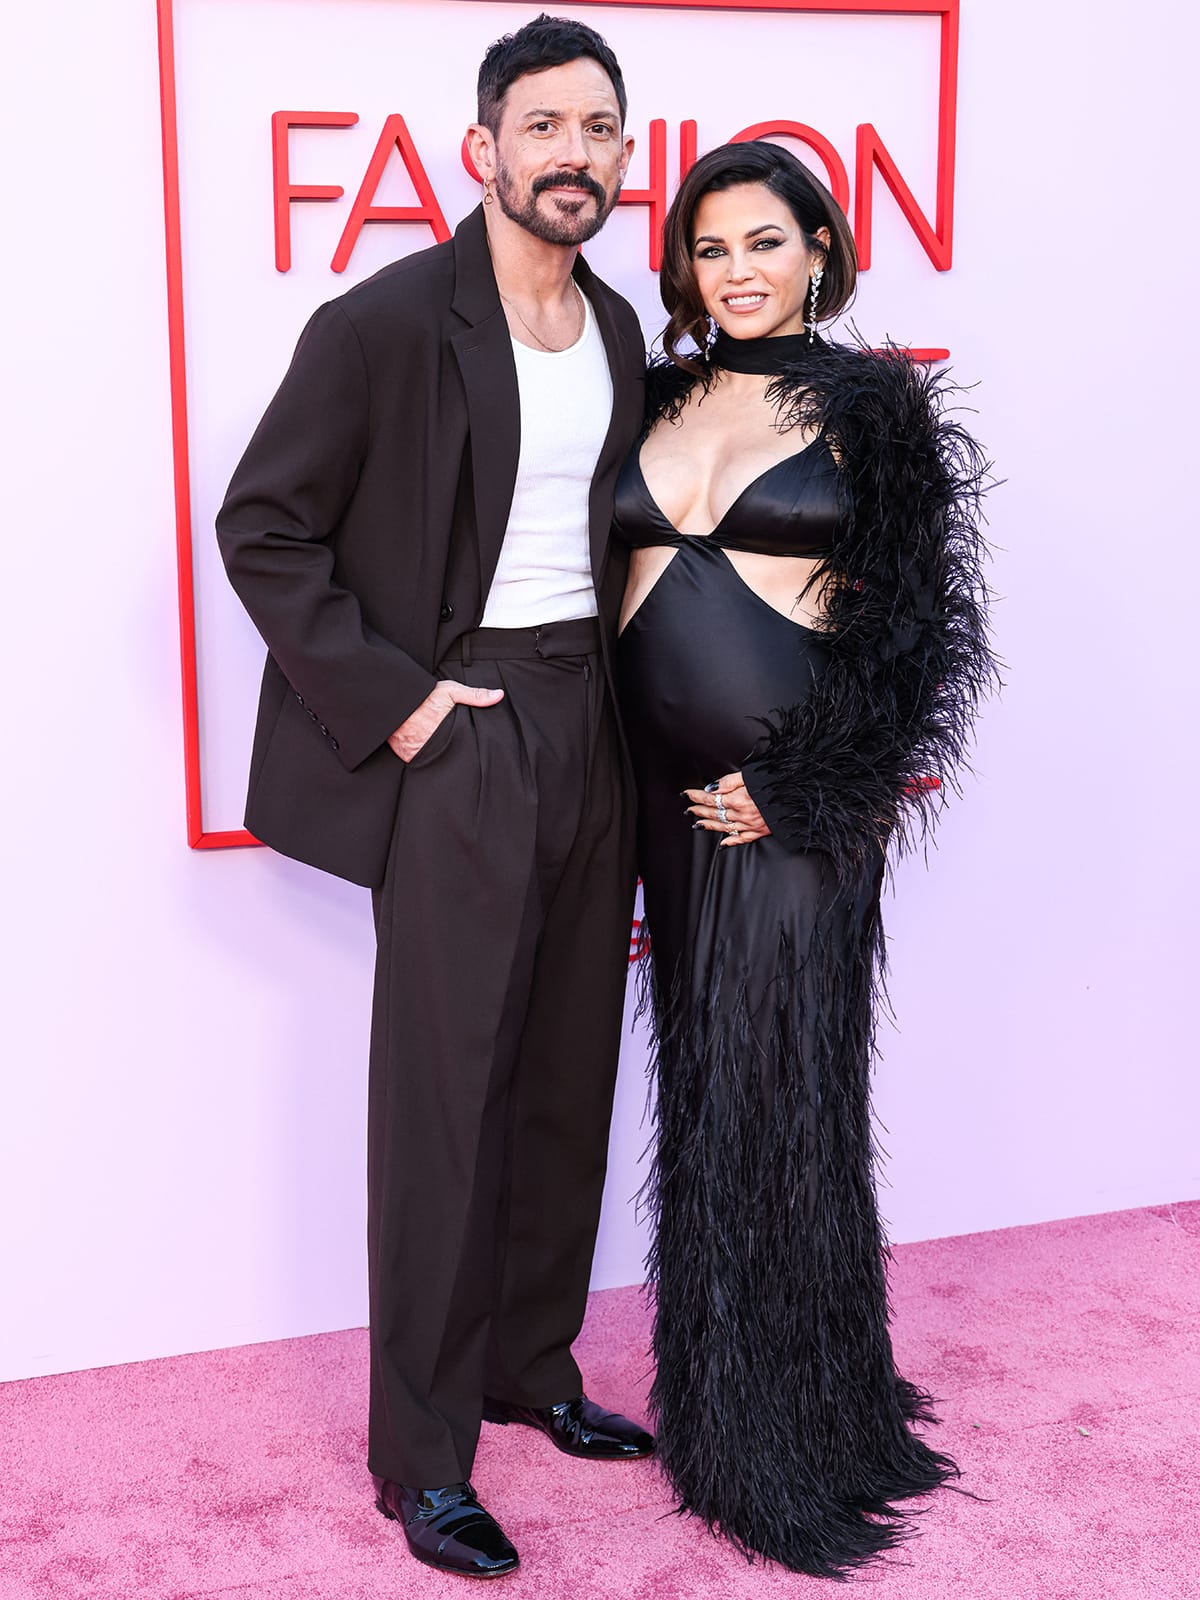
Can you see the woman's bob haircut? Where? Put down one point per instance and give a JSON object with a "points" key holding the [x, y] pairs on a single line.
{"points": [[806, 197]]}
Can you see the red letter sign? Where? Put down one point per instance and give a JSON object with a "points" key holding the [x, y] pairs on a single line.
{"points": [[395, 133], [872, 153], [285, 190], [655, 194]]}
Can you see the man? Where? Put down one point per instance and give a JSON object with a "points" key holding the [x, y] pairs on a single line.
{"points": [[419, 528]]}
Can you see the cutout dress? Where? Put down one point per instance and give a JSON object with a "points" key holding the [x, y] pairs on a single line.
{"points": [[781, 1419]]}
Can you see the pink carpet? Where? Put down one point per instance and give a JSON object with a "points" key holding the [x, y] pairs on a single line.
{"points": [[1066, 1357]]}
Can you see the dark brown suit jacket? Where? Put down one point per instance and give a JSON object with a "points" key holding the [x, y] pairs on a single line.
{"points": [[363, 525]]}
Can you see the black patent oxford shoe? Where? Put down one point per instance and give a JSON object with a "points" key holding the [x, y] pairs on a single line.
{"points": [[579, 1428], [448, 1528]]}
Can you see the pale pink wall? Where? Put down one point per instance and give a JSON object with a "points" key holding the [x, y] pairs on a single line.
{"points": [[182, 1128]]}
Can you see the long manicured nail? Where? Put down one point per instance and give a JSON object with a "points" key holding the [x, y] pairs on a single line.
{"points": [[711, 788]]}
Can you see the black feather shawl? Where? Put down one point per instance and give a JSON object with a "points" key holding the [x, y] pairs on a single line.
{"points": [[869, 753]]}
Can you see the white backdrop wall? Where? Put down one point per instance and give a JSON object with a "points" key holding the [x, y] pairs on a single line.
{"points": [[183, 1092]]}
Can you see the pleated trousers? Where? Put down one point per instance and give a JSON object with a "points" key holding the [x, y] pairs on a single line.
{"points": [[503, 935]]}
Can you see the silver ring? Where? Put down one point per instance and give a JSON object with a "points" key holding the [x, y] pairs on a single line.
{"points": [[722, 814]]}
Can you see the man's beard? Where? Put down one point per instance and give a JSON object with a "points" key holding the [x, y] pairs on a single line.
{"points": [[566, 224]]}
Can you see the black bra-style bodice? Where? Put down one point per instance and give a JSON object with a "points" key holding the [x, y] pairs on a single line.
{"points": [[794, 508]]}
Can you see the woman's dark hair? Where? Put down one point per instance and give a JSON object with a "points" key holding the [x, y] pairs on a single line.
{"points": [[543, 43], [806, 197]]}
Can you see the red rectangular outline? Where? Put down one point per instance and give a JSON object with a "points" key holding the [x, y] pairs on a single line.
{"points": [[198, 839]]}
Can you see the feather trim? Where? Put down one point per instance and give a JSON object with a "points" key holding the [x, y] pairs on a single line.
{"points": [[905, 602], [780, 1419]]}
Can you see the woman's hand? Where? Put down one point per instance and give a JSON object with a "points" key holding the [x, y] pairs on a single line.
{"points": [[726, 807]]}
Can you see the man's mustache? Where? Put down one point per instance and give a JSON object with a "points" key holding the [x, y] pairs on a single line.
{"points": [[570, 180]]}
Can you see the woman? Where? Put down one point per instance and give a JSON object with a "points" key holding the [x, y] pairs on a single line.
{"points": [[802, 648]]}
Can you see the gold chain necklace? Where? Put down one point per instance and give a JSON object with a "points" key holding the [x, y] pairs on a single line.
{"points": [[550, 349]]}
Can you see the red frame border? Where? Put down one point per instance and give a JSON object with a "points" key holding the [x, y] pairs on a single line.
{"points": [[198, 839]]}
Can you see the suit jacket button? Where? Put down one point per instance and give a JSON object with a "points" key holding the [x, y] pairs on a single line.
{"points": [[312, 716], [447, 611], [333, 744], [300, 698], [325, 730]]}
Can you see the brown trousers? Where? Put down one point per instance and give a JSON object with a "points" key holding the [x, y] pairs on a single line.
{"points": [[503, 931]]}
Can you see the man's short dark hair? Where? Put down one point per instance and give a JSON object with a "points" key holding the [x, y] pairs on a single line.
{"points": [[545, 42]]}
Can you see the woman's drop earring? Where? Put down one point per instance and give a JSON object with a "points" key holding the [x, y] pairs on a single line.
{"points": [[814, 287]]}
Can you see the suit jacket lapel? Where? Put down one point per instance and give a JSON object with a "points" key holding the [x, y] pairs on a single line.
{"points": [[622, 424], [483, 351]]}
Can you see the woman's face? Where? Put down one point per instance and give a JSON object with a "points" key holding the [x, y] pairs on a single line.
{"points": [[751, 264]]}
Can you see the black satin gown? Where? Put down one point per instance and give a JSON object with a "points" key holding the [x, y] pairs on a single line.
{"points": [[780, 1417], [699, 661]]}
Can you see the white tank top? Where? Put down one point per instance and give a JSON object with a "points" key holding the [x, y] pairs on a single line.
{"points": [[545, 571]]}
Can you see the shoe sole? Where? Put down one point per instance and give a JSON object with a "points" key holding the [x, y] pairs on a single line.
{"points": [[441, 1566]]}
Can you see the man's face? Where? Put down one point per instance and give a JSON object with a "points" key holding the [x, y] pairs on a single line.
{"points": [[559, 154]]}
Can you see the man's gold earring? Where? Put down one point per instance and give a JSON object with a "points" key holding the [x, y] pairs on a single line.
{"points": [[488, 197]]}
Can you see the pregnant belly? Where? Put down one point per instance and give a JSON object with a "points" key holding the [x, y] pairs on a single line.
{"points": [[699, 661]]}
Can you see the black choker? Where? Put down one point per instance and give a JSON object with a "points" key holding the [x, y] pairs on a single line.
{"points": [[766, 357]]}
